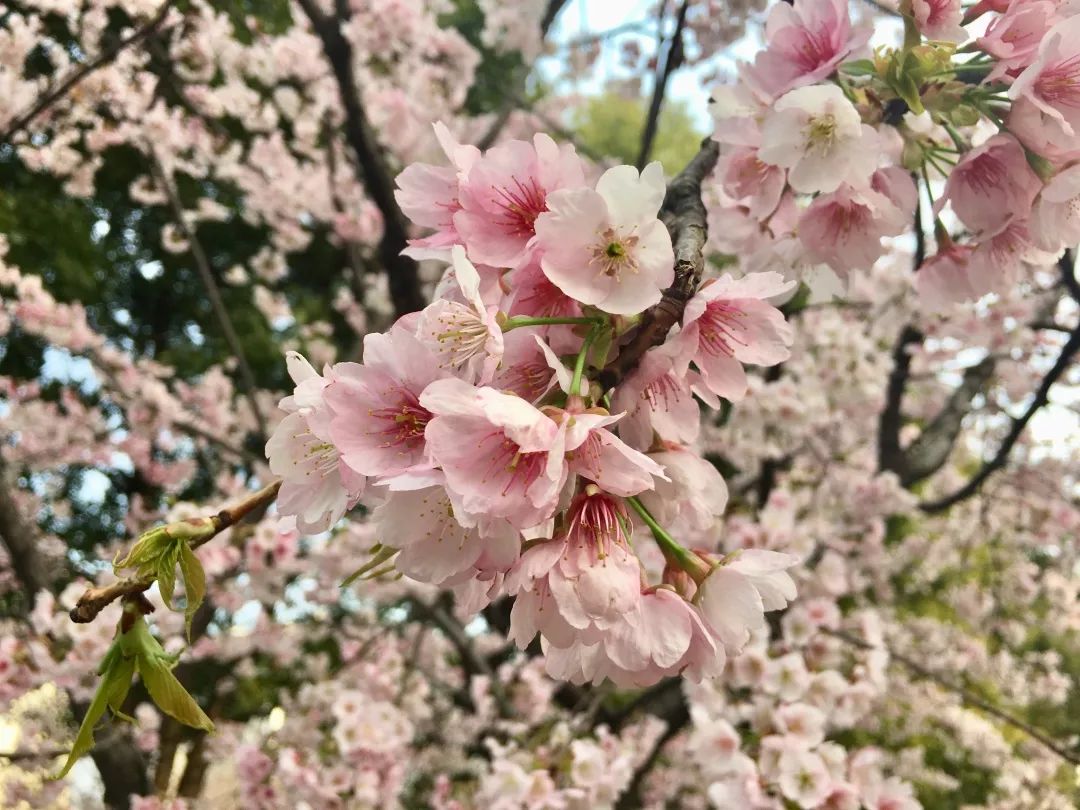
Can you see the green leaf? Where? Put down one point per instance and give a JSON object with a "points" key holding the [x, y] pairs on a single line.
{"points": [[166, 574], [860, 67], [168, 693], [116, 670], [146, 551], [194, 584]]}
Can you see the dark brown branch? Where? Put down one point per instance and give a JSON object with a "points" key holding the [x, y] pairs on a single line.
{"points": [[684, 214], [1019, 423], [78, 74], [221, 312], [672, 60], [517, 82], [929, 452], [375, 175], [967, 695], [1067, 266], [890, 454], [96, 599]]}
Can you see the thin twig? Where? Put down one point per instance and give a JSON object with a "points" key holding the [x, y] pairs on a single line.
{"points": [[64, 87], [672, 60], [964, 692], [202, 264], [1001, 457], [95, 599], [518, 81], [473, 663]]}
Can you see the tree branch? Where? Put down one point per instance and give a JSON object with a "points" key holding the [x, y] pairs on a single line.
{"points": [[221, 312], [374, 174], [78, 74], [685, 217], [929, 452], [672, 60], [1067, 266], [518, 81], [474, 664], [890, 454], [96, 599], [966, 694], [1001, 457]]}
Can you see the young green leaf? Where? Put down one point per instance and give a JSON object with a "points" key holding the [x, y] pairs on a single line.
{"points": [[166, 573], [146, 551], [116, 670], [194, 584], [169, 695]]}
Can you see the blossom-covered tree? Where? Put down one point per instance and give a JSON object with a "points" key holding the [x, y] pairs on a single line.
{"points": [[445, 460]]}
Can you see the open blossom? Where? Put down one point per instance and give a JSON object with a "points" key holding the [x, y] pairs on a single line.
{"points": [[805, 42], [1052, 82], [592, 575], [992, 185], [1055, 219], [317, 488], [804, 778], [749, 182], [505, 192], [816, 133], [939, 19], [606, 247], [377, 420], [1013, 38], [658, 397], [463, 335], [844, 229], [735, 595], [946, 278], [435, 546], [728, 322], [429, 195], [501, 456]]}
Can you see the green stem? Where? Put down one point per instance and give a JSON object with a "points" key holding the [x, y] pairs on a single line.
{"points": [[583, 355], [519, 321], [683, 557]]}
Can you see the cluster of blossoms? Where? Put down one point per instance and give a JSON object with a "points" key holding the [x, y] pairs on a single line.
{"points": [[496, 461], [822, 141]]}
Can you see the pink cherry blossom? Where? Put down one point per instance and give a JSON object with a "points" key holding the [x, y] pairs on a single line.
{"points": [[749, 182], [1013, 38], [501, 456], [378, 422], [504, 193], [817, 134], [1055, 219], [606, 247], [1052, 82], [735, 595], [728, 323], [939, 19], [844, 229], [317, 488], [992, 185], [463, 335], [805, 42], [658, 397], [429, 195], [435, 546], [946, 278]]}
